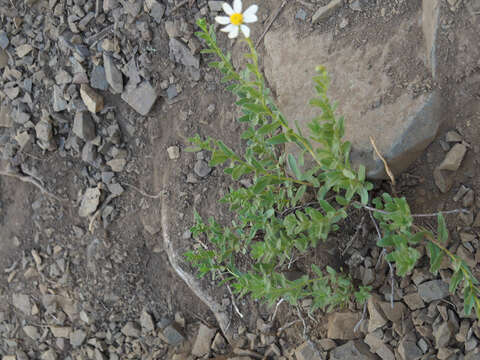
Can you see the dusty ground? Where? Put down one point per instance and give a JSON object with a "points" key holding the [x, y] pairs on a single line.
{"points": [[115, 272]]}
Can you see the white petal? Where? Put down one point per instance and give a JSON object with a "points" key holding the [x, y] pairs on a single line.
{"points": [[228, 28], [224, 20], [234, 32], [237, 6], [250, 18], [228, 9], [245, 30], [252, 10]]}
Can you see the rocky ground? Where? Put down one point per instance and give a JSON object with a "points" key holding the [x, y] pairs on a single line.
{"points": [[98, 99]]}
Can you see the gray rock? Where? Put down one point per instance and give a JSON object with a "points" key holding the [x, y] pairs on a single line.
{"points": [[460, 193], [352, 350], [433, 290], [340, 326], [90, 201], [202, 169], [468, 199], [23, 139], [59, 103], [414, 301], [77, 338], [401, 129], [172, 335], [92, 100], [472, 356], [98, 79], [117, 190], [173, 152], [377, 318], [113, 75], [356, 5], [172, 92], [203, 341], [181, 54], [141, 98], [21, 117], [131, 330], [443, 180], [31, 332], [44, 131], [50, 354], [454, 158], [157, 10], [4, 40], [326, 11], [453, 136], [443, 334], [307, 351], [408, 350], [89, 153], [63, 78], [146, 321], [84, 126], [117, 165]]}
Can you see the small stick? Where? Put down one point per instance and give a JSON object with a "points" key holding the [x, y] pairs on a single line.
{"points": [[31, 180], [287, 325], [355, 236], [357, 325], [276, 308], [414, 215], [144, 193], [303, 322], [270, 22], [387, 168], [237, 310], [97, 213]]}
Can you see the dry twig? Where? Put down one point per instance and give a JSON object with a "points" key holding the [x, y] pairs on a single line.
{"points": [[387, 168], [270, 22], [33, 181], [156, 196]]}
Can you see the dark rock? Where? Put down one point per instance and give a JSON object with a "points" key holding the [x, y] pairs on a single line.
{"points": [[84, 126]]}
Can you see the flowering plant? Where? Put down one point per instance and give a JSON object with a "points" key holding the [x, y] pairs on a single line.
{"points": [[274, 226]]}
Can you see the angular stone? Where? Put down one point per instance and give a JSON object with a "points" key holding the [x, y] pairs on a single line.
{"points": [[454, 158], [84, 126], [202, 169], [453, 136], [4, 40], [92, 100], [401, 128], [443, 334], [77, 338], [146, 321], [98, 79], [63, 78], [157, 10], [307, 351], [24, 50], [352, 350], [50, 354], [340, 326], [385, 352], [203, 341], [117, 165], [414, 301], [181, 54], [44, 131], [23, 139], [113, 75], [172, 335], [59, 103], [131, 330], [22, 303], [61, 331], [90, 201], [443, 180], [141, 99], [173, 152], [5, 118], [377, 318], [31, 332], [327, 10], [433, 290], [394, 314], [408, 350]]}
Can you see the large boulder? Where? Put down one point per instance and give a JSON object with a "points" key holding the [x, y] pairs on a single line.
{"points": [[401, 123]]}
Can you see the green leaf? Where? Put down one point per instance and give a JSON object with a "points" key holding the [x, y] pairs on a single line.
{"points": [[363, 196], [298, 195], [436, 257], [277, 139], [442, 229], [218, 157], [292, 162], [268, 128], [261, 184], [361, 173], [455, 281], [469, 300], [349, 174], [192, 149], [256, 108]]}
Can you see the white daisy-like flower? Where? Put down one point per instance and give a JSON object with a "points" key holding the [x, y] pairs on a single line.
{"points": [[236, 20]]}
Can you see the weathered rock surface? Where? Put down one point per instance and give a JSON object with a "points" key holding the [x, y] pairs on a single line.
{"points": [[352, 350], [401, 128], [141, 98], [341, 325]]}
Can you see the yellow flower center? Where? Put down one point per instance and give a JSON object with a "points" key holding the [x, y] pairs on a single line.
{"points": [[236, 19]]}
